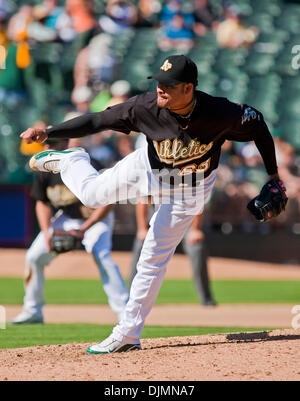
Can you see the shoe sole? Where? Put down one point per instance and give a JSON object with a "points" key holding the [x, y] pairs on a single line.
{"points": [[47, 153], [32, 162], [20, 323], [125, 348]]}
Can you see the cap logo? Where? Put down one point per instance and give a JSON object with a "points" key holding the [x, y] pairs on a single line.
{"points": [[166, 66]]}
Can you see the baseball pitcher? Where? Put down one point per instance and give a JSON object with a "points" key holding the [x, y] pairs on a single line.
{"points": [[185, 130]]}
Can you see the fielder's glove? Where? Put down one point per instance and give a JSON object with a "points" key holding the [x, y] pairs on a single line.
{"points": [[65, 241], [270, 202]]}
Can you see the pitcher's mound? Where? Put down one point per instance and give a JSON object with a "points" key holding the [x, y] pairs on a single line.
{"points": [[272, 355]]}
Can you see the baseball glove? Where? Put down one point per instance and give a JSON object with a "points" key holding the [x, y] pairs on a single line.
{"points": [[270, 202], [65, 241]]}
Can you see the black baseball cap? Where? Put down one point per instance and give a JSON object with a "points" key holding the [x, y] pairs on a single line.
{"points": [[176, 70]]}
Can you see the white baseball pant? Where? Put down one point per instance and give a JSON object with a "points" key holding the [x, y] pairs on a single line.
{"points": [[132, 177]]}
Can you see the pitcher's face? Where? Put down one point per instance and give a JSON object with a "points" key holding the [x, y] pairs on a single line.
{"points": [[173, 97]]}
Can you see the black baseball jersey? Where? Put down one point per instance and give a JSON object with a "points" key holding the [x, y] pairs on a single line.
{"points": [[190, 145], [49, 188]]}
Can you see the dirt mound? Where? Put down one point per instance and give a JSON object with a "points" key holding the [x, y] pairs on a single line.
{"points": [[272, 355]]}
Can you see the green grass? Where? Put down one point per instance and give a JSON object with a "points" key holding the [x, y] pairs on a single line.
{"points": [[81, 291], [32, 335]]}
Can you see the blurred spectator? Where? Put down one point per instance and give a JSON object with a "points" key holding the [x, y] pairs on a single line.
{"points": [[64, 27], [82, 14], [124, 145], [4, 10], [27, 23], [177, 27], [48, 11], [177, 33], [148, 12], [232, 33], [102, 149], [42, 28], [4, 42], [101, 100], [77, 18], [286, 158], [19, 22], [120, 91], [232, 190], [12, 80], [95, 65], [102, 146], [240, 177], [120, 16], [288, 171], [205, 18], [170, 8], [102, 61]]}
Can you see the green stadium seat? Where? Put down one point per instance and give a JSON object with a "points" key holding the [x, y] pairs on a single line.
{"points": [[290, 86], [27, 116], [39, 94], [263, 94], [259, 63], [207, 82], [268, 7], [289, 19], [121, 43], [229, 62], [263, 21], [245, 7], [290, 107]]}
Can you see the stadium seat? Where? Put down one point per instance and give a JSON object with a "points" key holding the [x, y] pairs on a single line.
{"points": [[121, 43], [27, 116], [289, 19], [263, 21], [267, 7], [208, 82], [259, 63]]}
